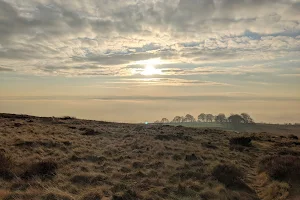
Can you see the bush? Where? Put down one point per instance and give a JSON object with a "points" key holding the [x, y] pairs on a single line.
{"points": [[243, 141], [43, 169], [89, 131], [229, 175], [5, 167], [282, 167], [293, 137], [67, 118], [128, 195], [191, 157]]}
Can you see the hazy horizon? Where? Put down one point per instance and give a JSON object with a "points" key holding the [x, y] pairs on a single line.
{"points": [[139, 60]]}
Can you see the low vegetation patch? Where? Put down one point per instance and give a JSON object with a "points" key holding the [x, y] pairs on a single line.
{"points": [[89, 131], [6, 165], [282, 167], [293, 137], [243, 141], [42, 169], [177, 136], [127, 195], [229, 175]]}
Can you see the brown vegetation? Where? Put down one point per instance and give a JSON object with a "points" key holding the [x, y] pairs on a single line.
{"points": [[69, 159]]}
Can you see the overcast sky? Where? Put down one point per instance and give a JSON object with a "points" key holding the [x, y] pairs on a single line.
{"points": [[205, 56]]}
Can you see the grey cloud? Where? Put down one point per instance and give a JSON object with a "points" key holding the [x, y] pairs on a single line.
{"points": [[109, 33], [4, 69], [224, 97]]}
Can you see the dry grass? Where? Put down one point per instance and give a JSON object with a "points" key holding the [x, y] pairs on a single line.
{"points": [[67, 158]]}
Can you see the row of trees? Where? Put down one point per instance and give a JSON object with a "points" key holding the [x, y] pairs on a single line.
{"points": [[220, 118]]}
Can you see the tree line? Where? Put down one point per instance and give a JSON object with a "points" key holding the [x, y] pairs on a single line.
{"points": [[220, 118]]}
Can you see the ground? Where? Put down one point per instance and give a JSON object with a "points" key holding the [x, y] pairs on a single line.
{"points": [[68, 158]]}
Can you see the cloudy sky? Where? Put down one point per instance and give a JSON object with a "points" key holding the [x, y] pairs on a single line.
{"points": [[139, 60]]}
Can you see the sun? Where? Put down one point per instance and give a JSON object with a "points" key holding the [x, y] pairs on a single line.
{"points": [[150, 70], [149, 67]]}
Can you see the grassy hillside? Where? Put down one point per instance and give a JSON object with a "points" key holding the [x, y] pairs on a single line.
{"points": [[277, 129], [67, 158]]}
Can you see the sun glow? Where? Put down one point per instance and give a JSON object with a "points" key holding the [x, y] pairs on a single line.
{"points": [[150, 70]]}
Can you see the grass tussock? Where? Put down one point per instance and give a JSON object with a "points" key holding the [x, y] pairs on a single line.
{"points": [[227, 174], [243, 141], [42, 169], [6, 167]]}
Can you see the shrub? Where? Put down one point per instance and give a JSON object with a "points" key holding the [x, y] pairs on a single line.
{"points": [[176, 157], [6, 167], [243, 141], [81, 179], [191, 157], [89, 131], [229, 175], [282, 167], [293, 137], [128, 195], [43, 169], [67, 118], [209, 145]]}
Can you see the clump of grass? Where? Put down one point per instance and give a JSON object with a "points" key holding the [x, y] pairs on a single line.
{"points": [[177, 157], [90, 131], [174, 137], [6, 167], [209, 145], [229, 175], [243, 141], [42, 169], [282, 167], [87, 179], [92, 196], [67, 118], [191, 157], [276, 190], [127, 195], [293, 137], [137, 165]]}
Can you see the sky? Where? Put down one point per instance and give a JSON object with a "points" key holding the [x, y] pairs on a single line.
{"points": [[141, 60]]}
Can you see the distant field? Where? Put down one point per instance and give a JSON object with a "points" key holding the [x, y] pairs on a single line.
{"points": [[255, 128]]}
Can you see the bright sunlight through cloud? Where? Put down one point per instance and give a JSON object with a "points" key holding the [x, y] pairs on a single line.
{"points": [[150, 70], [149, 67]]}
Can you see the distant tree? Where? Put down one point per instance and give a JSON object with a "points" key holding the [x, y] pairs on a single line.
{"points": [[189, 118], [247, 118], [236, 119], [164, 120], [177, 119], [157, 121], [202, 117], [220, 118], [209, 118]]}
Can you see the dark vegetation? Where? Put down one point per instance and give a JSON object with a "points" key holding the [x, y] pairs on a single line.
{"points": [[220, 118], [69, 159], [282, 167]]}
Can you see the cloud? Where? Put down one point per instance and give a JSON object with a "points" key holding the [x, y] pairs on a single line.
{"points": [[146, 82], [204, 97], [103, 37], [4, 69]]}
